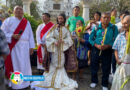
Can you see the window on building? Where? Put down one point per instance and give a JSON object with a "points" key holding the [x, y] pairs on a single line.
{"points": [[56, 6]]}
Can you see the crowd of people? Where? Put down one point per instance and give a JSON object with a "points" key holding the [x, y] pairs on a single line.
{"points": [[67, 47]]}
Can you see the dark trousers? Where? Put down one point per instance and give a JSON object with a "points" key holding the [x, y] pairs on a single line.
{"points": [[105, 59], [2, 84], [113, 63]]}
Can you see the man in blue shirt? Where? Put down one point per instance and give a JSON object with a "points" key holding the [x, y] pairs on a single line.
{"points": [[101, 39]]}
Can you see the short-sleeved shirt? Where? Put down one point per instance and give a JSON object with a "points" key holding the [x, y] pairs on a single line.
{"points": [[120, 44], [72, 22], [96, 35]]}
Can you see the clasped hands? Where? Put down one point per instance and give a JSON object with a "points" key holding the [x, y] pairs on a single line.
{"points": [[59, 42], [102, 47]]}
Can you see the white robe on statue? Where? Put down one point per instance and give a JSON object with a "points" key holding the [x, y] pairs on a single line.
{"points": [[20, 53], [39, 41], [57, 77]]}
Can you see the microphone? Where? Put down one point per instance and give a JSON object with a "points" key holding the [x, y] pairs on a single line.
{"points": [[20, 32]]}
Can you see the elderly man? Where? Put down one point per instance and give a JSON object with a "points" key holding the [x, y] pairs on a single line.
{"points": [[122, 54], [120, 42], [101, 39], [19, 36]]}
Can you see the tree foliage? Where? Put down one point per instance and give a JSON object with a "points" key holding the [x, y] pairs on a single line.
{"points": [[103, 6], [34, 23], [34, 10], [13, 3]]}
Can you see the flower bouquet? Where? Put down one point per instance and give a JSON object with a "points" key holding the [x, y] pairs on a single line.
{"points": [[79, 33]]}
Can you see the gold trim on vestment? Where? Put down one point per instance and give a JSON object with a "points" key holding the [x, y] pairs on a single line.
{"points": [[48, 87], [51, 29], [59, 65]]}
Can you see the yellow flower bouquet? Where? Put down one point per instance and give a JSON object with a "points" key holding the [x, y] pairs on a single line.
{"points": [[79, 32]]}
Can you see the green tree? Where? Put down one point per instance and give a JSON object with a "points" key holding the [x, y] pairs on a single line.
{"points": [[103, 6], [34, 10], [123, 5], [34, 23], [13, 3], [3, 8], [33, 7]]}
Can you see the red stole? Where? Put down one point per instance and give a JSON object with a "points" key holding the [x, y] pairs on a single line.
{"points": [[8, 61], [43, 32]]}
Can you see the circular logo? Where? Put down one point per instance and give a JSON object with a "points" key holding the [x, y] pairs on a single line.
{"points": [[16, 77]]}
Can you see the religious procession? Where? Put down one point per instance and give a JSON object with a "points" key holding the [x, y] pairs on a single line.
{"points": [[68, 52]]}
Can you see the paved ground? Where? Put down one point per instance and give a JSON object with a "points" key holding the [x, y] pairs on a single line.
{"points": [[83, 84]]}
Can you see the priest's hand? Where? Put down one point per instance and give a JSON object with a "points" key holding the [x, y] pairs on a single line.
{"points": [[16, 36], [31, 51], [61, 41], [57, 43]]}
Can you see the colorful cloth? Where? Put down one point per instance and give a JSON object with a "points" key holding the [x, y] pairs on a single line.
{"points": [[82, 49], [72, 22]]}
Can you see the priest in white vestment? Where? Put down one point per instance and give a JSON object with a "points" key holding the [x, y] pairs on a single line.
{"points": [[41, 34], [20, 53]]}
